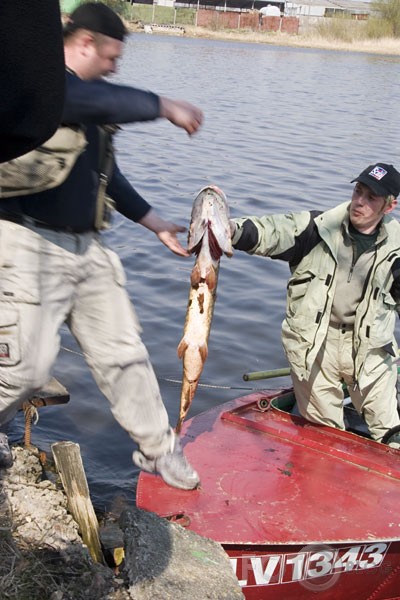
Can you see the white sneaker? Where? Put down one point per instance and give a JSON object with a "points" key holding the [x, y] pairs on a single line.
{"points": [[6, 458], [173, 467]]}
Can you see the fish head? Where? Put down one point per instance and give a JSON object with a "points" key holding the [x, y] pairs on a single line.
{"points": [[210, 213]]}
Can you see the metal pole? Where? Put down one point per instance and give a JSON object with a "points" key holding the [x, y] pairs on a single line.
{"points": [[266, 374], [285, 372]]}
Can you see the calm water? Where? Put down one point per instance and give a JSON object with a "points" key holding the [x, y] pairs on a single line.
{"points": [[285, 129]]}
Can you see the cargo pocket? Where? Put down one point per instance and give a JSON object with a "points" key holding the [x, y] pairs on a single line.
{"points": [[117, 268], [20, 258], [10, 353], [120, 279]]}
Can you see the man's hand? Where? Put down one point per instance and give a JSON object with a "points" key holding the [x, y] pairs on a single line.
{"points": [[181, 113], [169, 239], [165, 231]]}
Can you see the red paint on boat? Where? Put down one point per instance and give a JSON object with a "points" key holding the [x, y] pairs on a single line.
{"points": [[302, 510]]}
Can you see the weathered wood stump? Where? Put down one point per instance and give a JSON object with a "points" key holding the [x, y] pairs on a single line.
{"points": [[68, 460]]}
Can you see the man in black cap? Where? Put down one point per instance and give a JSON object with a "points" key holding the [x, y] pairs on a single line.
{"points": [[343, 297], [55, 267]]}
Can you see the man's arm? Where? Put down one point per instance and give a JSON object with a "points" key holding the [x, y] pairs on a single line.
{"points": [[286, 237], [100, 102], [131, 204]]}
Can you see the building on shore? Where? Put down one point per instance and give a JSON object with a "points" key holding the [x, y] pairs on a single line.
{"points": [[357, 9]]}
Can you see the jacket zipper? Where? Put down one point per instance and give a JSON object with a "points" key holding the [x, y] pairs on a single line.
{"points": [[353, 262]]}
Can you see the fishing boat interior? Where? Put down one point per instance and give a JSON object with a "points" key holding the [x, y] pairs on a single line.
{"points": [[286, 401]]}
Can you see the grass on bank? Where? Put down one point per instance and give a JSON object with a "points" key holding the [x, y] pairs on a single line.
{"points": [[29, 574]]}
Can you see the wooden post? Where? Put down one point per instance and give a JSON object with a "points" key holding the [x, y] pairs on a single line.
{"points": [[68, 460]]}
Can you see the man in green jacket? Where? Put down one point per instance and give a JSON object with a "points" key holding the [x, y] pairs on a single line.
{"points": [[343, 296]]}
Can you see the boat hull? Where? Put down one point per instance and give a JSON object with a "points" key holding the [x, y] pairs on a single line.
{"points": [[302, 510], [361, 571]]}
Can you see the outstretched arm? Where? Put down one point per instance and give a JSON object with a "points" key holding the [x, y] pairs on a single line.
{"points": [[101, 102]]}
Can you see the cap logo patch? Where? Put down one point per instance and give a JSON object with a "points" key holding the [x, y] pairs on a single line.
{"points": [[378, 173]]}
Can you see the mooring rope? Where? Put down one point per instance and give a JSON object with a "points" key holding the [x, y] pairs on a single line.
{"points": [[179, 381]]}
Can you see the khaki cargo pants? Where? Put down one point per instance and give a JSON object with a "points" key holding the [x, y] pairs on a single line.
{"points": [[48, 278], [320, 399]]}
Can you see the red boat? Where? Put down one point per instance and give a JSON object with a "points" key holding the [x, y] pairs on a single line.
{"points": [[303, 511]]}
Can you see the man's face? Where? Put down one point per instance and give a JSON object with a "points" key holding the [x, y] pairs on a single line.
{"points": [[367, 208], [101, 57]]}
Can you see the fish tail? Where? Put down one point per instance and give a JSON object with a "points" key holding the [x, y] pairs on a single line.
{"points": [[187, 395]]}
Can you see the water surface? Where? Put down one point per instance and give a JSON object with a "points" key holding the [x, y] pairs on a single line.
{"points": [[285, 129]]}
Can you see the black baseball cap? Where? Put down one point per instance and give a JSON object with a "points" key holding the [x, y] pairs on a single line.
{"points": [[383, 179], [97, 17]]}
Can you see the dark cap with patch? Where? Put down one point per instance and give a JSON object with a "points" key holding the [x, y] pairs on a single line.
{"points": [[97, 17], [383, 179]]}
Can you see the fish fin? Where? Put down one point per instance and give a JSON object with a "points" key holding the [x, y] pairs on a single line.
{"points": [[211, 278], [182, 346], [203, 349], [195, 276]]}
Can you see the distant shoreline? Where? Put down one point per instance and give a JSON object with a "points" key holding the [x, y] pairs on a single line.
{"points": [[384, 46]]}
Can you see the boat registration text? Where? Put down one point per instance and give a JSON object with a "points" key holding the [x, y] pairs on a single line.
{"points": [[311, 562]]}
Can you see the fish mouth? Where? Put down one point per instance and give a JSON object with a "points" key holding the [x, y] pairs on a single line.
{"points": [[216, 189]]}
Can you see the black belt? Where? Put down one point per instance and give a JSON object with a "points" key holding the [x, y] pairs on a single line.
{"points": [[26, 220], [342, 326]]}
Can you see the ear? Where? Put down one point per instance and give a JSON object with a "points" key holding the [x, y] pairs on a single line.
{"points": [[86, 41], [391, 207]]}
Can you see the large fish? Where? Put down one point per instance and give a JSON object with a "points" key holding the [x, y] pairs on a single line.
{"points": [[209, 238]]}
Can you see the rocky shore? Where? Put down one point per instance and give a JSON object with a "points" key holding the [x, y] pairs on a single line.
{"points": [[42, 556]]}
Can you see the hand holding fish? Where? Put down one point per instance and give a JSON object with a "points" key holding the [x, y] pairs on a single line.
{"points": [[165, 231], [209, 238]]}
